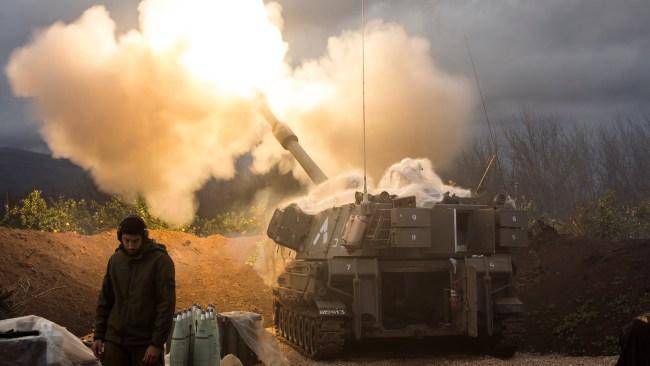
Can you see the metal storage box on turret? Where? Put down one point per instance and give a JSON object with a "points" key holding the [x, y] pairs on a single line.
{"points": [[382, 267]]}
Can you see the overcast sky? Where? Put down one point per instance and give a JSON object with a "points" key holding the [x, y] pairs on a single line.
{"points": [[586, 60]]}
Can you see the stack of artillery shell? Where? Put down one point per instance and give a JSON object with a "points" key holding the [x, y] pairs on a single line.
{"points": [[195, 338]]}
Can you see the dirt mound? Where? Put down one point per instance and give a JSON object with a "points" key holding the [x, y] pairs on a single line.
{"points": [[58, 275], [580, 292]]}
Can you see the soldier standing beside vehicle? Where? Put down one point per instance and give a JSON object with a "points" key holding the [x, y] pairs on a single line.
{"points": [[137, 300]]}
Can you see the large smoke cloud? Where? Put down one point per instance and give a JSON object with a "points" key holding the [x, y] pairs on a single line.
{"points": [[412, 108], [157, 111]]}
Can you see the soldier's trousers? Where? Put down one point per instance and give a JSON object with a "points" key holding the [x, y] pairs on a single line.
{"points": [[116, 355]]}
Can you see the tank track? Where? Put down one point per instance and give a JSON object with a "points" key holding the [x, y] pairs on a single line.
{"points": [[510, 337], [312, 335], [513, 329]]}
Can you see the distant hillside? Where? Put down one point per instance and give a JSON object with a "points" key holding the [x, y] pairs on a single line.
{"points": [[219, 196], [22, 171]]}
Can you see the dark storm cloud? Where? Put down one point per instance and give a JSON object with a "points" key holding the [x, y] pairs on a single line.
{"points": [[586, 58], [18, 22], [308, 24]]}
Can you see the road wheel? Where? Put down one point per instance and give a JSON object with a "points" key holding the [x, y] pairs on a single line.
{"points": [[304, 331], [311, 334], [290, 329], [299, 330], [276, 319], [283, 323]]}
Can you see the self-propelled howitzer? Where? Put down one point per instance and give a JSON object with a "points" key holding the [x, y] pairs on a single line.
{"points": [[387, 268]]}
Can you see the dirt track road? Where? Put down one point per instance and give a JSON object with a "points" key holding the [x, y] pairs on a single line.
{"points": [[414, 355]]}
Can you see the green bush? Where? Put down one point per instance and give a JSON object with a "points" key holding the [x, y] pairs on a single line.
{"points": [[64, 214], [234, 222], [608, 218]]}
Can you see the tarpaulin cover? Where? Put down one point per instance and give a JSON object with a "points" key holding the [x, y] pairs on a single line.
{"points": [[250, 329], [54, 346]]}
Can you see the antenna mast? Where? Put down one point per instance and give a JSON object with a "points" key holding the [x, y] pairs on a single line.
{"points": [[494, 148], [480, 92], [363, 96]]}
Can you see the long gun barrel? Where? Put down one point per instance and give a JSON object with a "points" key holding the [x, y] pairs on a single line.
{"points": [[289, 141]]}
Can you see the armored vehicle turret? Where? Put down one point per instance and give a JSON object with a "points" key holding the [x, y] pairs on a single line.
{"points": [[386, 268]]}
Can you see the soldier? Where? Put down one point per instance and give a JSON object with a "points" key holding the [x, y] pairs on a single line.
{"points": [[137, 300]]}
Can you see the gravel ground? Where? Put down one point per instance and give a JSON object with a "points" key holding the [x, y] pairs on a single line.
{"points": [[382, 354]]}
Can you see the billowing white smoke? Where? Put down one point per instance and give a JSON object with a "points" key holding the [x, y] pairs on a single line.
{"points": [[416, 177], [412, 107], [409, 177], [157, 111]]}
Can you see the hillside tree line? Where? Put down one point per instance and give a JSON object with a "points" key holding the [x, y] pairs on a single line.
{"points": [[592, 179]]}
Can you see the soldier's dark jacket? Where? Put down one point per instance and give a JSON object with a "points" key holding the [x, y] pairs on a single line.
{"points": [[137, 300]]}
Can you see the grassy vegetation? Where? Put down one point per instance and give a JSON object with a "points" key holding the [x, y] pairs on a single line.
{"points": [[90, 217], [590, 314], [565, 329], [606, 217], [609, 218]]}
